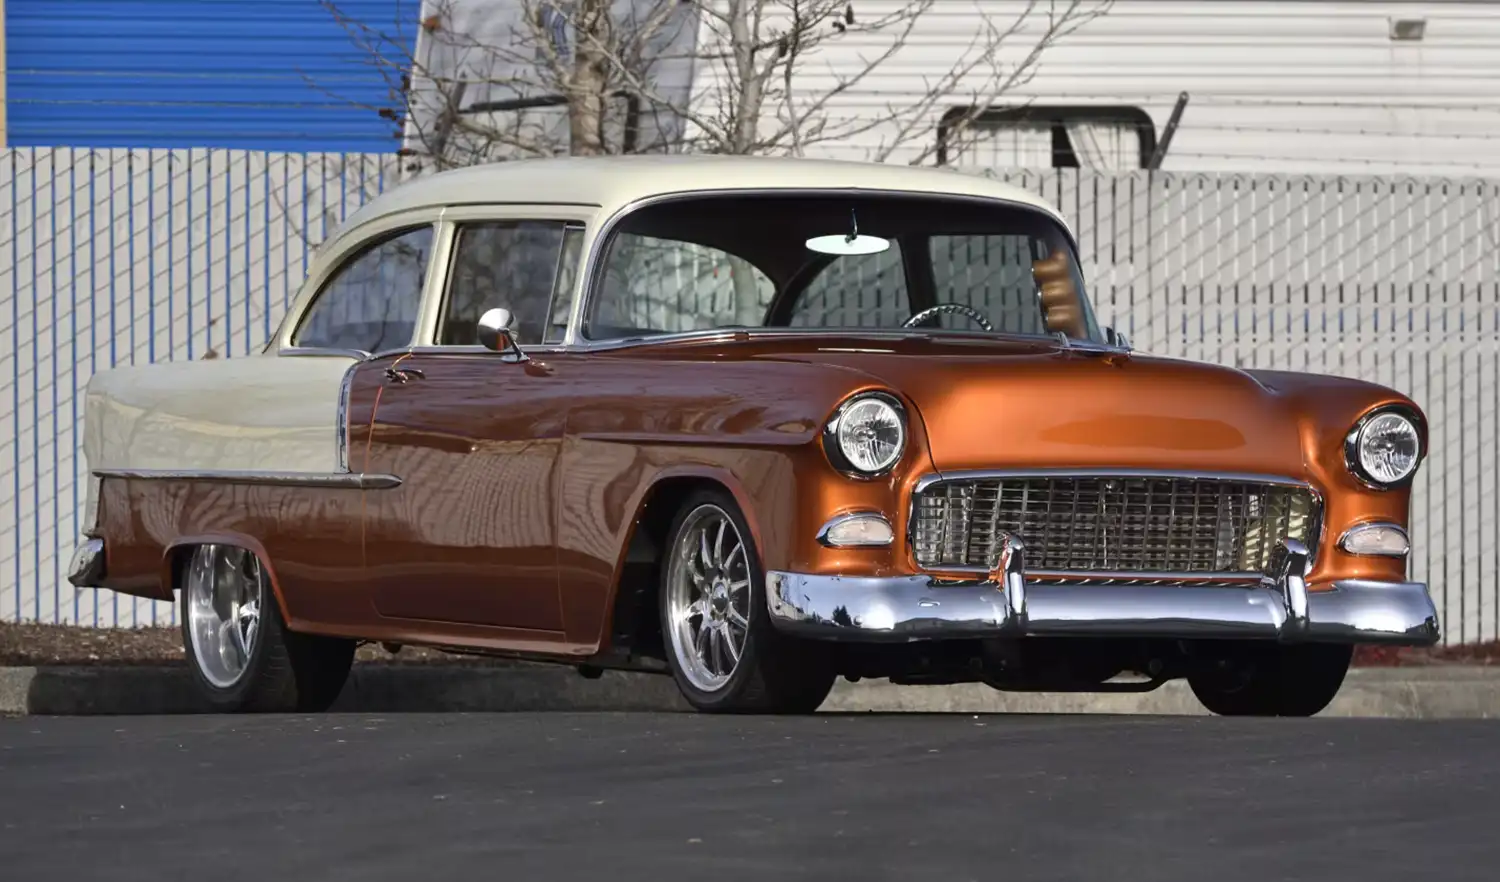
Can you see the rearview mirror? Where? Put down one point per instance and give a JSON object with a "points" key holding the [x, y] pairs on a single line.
{"points": [[495, 333]]}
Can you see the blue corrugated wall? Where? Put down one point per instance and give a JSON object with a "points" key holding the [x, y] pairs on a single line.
{"points": [[257, 74]]}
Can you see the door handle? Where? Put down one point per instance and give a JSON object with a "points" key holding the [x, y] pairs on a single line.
{"points": [[402, 375]]}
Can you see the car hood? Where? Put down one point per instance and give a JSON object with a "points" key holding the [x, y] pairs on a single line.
{"points": [[1041, 405]]}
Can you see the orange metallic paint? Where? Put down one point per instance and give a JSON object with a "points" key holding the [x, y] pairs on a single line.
{"points": [[524, 483], [469, 535]]}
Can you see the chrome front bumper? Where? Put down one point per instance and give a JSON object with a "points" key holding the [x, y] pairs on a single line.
{"points": [[901, 608]]}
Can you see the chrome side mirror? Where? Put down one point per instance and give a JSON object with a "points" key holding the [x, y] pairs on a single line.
{"points": [[495, 333], [1117, 338]]}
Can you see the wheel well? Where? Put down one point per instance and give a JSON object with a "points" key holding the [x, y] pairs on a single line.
{"points": [[635, 624], [178, 557], [177, 561]]}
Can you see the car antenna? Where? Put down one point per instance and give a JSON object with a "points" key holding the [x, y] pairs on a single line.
{"points": [[853, 227]]}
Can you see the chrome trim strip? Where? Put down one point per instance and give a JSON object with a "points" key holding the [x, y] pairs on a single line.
{"points": [[834, 521], [1097, 576], [350, 480], [341, 421], [1105, 472], [927, 480], [1373, 525], [86, 570], [1005, 604], [318, 352]]}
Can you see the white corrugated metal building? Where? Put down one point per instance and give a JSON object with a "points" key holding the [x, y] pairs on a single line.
{"points": [[1295, 86]]}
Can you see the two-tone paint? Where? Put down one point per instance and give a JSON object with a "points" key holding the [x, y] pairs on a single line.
{"points": [[455, 496]]}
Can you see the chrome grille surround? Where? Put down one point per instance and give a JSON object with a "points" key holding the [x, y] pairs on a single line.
{"points": [[1113, 526]]}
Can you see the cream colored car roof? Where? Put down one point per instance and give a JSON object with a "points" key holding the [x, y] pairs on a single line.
{"points": [[614, 182]]}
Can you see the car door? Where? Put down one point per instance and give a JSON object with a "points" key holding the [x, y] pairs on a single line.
{"points": [[470, 535]]}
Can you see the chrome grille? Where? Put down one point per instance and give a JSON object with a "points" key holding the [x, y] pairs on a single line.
{"points": [[1112, 524]]}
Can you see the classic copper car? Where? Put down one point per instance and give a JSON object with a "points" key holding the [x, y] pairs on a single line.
{"points": [[756, 423]]}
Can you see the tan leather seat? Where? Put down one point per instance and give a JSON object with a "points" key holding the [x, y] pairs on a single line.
{"points": [[1062, 309]]}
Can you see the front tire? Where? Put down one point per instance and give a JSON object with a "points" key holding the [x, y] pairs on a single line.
{"points": [[722, 649], [1274, 680], [241, 654]]}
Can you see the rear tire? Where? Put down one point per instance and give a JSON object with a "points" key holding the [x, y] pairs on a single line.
{"points": [[241, 654], [1274, 680], [722, 649]]}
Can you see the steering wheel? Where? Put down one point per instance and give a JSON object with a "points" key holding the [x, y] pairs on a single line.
{"points": [[929, 312]]}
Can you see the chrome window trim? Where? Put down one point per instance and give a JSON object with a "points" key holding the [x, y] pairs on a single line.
{"points": [[348, 480], [439, 269], [927, 480], [592, 275], [432, 308], [341, 247]]}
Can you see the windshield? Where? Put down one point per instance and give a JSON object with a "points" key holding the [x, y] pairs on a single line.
{"points": [[839, 261]]}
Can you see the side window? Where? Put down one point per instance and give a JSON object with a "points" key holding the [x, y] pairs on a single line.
{"points": [[522, 266], [867, 290], [371, 303], [665, 286]]}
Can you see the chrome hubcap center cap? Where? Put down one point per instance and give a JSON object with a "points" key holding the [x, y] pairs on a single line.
{"points": [[718, 599]]}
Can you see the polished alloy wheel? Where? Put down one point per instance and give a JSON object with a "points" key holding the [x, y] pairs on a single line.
{"points": [[225, 587], [708, 597]]}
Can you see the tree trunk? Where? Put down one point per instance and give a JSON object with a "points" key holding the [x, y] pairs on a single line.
{"points": [[589, 88]]}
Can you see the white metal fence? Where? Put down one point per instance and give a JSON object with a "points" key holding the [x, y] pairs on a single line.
{"points": [[120, 256]]}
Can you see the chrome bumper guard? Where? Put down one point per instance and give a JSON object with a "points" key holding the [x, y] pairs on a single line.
{"points": [[87, 568], [901, 608]]}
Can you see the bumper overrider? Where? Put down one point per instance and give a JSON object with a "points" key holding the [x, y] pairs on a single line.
{"points": [[1280, 607]]}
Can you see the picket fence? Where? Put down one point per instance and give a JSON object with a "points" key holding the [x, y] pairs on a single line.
{"points": [[117, 256]]}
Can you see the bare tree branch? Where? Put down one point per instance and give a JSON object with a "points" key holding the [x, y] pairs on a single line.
{"points": [[767, 76]]}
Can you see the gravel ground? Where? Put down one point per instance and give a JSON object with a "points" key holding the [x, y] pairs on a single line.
{"points": [[28, 644]]}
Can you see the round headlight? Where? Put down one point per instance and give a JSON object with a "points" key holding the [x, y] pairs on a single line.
{"points": [[867, 434], [1384, 448]]}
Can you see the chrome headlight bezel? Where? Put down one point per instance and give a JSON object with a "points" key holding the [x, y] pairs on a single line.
{"points": [[1352, 441], [833, 446]]}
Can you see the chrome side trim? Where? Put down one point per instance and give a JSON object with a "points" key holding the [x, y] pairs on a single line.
{"points": [[319, 352], [341, 421], [1006, 604], [86, 570], [349, 480]]}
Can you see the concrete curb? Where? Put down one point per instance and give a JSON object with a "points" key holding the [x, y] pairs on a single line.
{"points": [[1399, 693]]}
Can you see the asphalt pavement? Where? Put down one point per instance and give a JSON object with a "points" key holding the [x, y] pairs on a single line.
{"points": [[559, 796]]}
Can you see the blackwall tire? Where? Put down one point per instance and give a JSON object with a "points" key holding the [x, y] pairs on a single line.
{"points": [[243, 658], [721, 647], [1276, 681]]}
